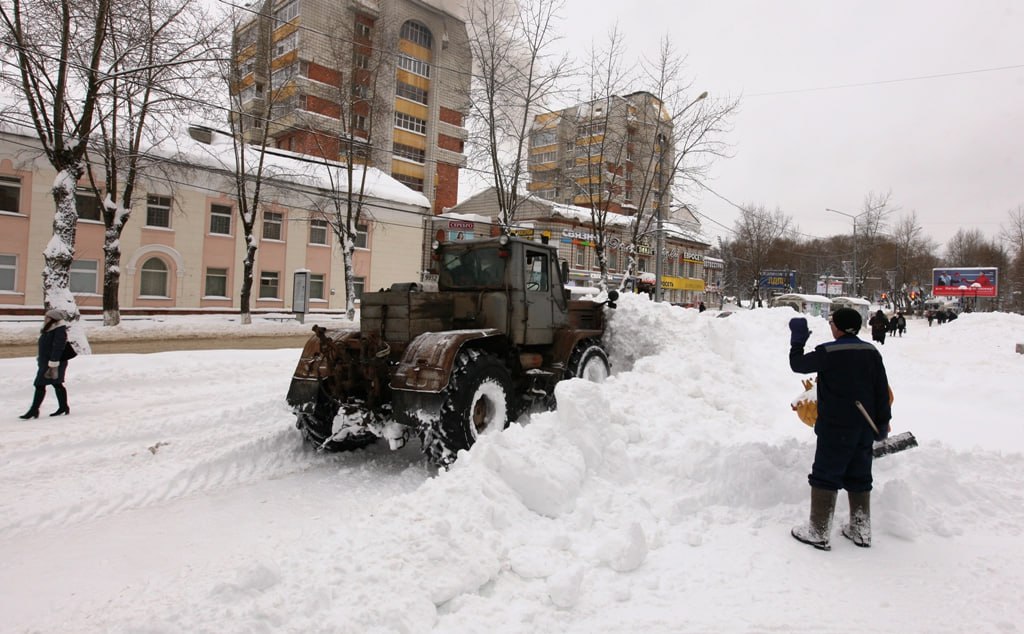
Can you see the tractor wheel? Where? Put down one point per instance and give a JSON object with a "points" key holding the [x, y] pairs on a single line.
{"points": [[477, 401], [588, 361], [317, 426]]}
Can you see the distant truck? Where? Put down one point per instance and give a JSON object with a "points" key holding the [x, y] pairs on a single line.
{"points": [[450, 365]]}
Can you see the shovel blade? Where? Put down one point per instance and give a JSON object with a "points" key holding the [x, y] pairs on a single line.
{"points": [[894, 444]]}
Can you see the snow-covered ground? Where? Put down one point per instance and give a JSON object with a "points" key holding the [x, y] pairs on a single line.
{"points": [[177, 497]]}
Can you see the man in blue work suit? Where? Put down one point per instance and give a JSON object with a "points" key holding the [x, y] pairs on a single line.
{"points": [[853, 412]]}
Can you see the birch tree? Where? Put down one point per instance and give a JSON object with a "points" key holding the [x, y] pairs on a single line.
{"points": [[56, 47]]}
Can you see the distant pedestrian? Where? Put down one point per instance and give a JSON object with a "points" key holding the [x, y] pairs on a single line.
{"points": [[901, 323], [893, 325], [701, 307], [52, 362], [879, 325], [931, 317]]}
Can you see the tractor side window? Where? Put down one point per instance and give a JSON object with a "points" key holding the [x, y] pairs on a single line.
{"points": [[536, 271]]}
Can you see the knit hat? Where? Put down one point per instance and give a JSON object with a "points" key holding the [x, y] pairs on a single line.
{"points": [[847, 320]]}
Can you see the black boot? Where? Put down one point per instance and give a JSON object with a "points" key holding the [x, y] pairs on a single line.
{"points": [[62, 401], [37, 400], [817, 532], [858, 530]]}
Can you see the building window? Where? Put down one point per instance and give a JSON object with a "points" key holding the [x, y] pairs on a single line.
{"points": [[287, 12], [246, 36], [88, 205], [412, 153], [414, 66], [413, 183], [83, 276], [268, 285], [281, 76], [158, 211], [286, 44], [359, 122], [360, 91], [318, 232], [543, 157], [316, 286], [220, 219], [362, 237], [363, 30], [410, 92], [272, 225], [613, 259], [216, 283], [153, 280], [408, 122], [361, 60], [357, 287], [8, 271], [543, 137], [417, 34], [581, 256], [10, 194]]}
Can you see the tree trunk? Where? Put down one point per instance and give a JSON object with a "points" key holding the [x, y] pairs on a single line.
{"points": [[248, 264], [60, 251]]}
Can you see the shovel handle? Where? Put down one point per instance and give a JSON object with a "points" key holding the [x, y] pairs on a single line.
{"points": [[867, 417]]}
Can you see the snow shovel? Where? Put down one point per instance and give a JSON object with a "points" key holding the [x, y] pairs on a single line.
{"points": [[892, 444]]}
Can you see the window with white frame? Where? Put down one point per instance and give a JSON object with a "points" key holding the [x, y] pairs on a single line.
{"points": [[84, 275], [153, 278], [410, 92], [361, 60], [287, 12], [613, 260], [359, 122], [158, 211], [8, 272], [269, 284], [88, 205], [286, 44], [316, 286], [10, 194], [358, 283], [216, 283], [362, 236], [543, 137], [417, 34], [281, 76], [411, 123], [408, 152], [272, 222], [414, 66], [220, 219], [413, 183], [363, 30], [581, 256], [317, 231], [543, 157]]}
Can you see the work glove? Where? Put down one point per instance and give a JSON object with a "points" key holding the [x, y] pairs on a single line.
{"points": [[799, 334], [51, 373]]}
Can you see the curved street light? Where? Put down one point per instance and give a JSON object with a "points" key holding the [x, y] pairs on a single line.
{"points": [[854, 217]]}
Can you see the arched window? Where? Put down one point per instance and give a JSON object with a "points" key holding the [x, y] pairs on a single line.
{"points": [[153, 280], [417, 33]]}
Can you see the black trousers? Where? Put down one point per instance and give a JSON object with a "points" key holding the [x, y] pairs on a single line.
{"points": [[842, 458]]}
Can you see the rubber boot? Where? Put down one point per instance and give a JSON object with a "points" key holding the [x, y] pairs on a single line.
{"points": [[858, 530], [37, 400], [817, 532]]}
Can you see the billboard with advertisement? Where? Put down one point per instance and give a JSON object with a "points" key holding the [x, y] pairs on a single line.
{"points": [[783, 281], [972, 281]]}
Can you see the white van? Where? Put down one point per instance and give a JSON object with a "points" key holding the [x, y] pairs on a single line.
{"points": [[816, 305], [862, 306]]}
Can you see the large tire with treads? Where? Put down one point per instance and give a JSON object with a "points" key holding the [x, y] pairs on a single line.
{"points": [[476, 401], [588, 361]]}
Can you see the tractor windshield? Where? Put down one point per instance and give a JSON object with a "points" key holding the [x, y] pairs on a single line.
{"points": [[481, 267]]}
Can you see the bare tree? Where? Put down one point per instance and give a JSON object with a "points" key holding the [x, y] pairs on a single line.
{"points": [[514, 80], [154, 49], [368, 46], [57, 46], [757, 231], [1012, 235]]}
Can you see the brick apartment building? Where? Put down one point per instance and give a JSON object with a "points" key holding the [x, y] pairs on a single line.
{"points": [[393, 75]]}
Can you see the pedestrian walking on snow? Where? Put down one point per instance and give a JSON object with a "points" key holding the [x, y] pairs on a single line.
{"points": [[879, 325], [853, 401], [52, 363]]}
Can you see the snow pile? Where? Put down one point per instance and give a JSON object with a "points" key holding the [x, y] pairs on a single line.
{"points": [[658, 501]]}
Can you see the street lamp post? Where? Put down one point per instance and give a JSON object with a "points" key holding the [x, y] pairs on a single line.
{"points": [[659, 237], [854, 217]]}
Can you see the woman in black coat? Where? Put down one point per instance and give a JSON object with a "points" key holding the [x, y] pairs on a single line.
{"points": [[879, 325], [52, 363]]}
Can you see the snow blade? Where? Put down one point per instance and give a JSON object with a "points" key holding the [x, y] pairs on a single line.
{"points": [[894, 444]]}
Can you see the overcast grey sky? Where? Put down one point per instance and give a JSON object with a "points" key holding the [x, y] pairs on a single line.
{"points": [[948, 147]]}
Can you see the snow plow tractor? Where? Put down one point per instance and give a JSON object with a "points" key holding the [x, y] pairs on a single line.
{"points": [[447, 366]]}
